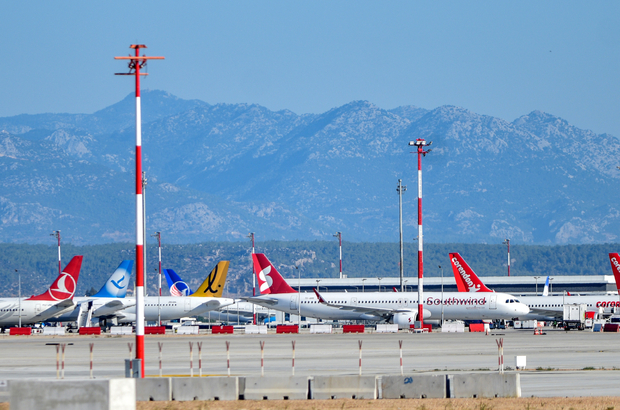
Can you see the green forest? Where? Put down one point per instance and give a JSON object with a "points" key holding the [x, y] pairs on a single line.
{"points": [[38, 264]]}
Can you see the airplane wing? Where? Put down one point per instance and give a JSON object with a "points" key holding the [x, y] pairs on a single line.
{"points": [[113, 307], [546, 312], [58, 309], [375, 311], [261, 300]]}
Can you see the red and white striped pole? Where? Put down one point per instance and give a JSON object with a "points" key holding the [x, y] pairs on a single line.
{"points": [[339, 236], [251, 235], [135, 63], [57, 235], [420, 143], [507, 243], [158, 235]]}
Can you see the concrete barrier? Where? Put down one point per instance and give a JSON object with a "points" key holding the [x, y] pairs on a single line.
{"points": [[112, 394], [287, 329], [255, 330], [4, 391], [205, 388], [187, 330], [121, 330], [321, 328], [453, 328], [353, 329], [221, 330], [155, 330], [20, 331], [94, 330], [276, 388], [484, 385], [343, 387], [431, 386], [53, 331], [154, 389], [386, 328]]}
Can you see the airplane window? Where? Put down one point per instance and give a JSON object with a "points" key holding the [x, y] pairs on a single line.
{"points": [[507, 301]]}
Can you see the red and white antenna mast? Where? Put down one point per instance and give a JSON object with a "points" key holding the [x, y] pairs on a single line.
{"points": [[251, 236], [420, 143], [57, 235], [339, 236], [135, 63]]}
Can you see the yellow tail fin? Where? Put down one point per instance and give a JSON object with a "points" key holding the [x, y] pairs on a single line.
{"points": [[213, 286]]}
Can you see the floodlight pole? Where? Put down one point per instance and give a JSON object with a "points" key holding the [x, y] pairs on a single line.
{"points": [[144, 183], [507, 243], [339, 236], [158, 236], [251, 236], [420, 143], [135, 63], [401, 189], [19, 295], [57, 235]]}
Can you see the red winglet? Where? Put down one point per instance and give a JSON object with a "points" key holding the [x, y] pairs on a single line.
{"points": [[614, 259], [318, 295]]}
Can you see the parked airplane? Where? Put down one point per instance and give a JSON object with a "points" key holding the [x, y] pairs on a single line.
{"points": [[546, 288], [54, 301], [174, 307], [399, 308], [542, 307], [108, 296]]}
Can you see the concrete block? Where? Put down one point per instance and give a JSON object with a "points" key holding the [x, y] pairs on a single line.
{"points": [[53, 331], [422, 386], [154, 389], [343, 387], [276, 388], [4, 391], [121, 330], [386, 328], [484, 385], [187, 330], [205, 388], [256, 330], [321, 328], [112, 394]]}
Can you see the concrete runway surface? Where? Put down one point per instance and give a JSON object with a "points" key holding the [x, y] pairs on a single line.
{"points": [[558, 364]]}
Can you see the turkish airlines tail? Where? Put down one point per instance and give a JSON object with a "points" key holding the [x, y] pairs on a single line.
{"points": [[176, 285], [213, 286], [116, 286], [614, 258], [269, 280], [466, 279], [546, 288], [65, 284]]}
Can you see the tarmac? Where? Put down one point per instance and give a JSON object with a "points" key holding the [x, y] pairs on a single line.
{"points": [[559, 363]]}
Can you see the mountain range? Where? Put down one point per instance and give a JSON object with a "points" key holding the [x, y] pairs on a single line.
{"points": [[218, 171]]}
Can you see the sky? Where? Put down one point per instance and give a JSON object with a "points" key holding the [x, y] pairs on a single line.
{"points": [[498, 58]]}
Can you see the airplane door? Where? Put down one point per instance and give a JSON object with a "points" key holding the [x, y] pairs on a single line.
{"points": [[293, 302], [37, 308], [354, 301], [188, 304], [493, 301]]}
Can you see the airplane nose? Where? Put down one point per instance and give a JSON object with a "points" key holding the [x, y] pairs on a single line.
{"points": [[523, 309]]}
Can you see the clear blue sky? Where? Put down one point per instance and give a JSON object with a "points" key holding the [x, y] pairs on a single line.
{"points": [[498, 58]]}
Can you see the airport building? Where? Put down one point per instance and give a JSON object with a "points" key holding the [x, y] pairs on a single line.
{"points": [[517, 285]]}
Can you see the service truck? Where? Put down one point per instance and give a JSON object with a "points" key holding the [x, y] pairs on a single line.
{"points": [[575, 316]]}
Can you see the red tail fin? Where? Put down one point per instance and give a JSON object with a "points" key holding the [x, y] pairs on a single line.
{"points": [[65, 284], [614, 259], [466, 279], [269, 280]]}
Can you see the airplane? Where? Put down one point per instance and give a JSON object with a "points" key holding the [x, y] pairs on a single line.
{"points": [[174, 307], [113, 289], [546, 288], [542, 307], [176, 285], [56, 300], [395, 307]]}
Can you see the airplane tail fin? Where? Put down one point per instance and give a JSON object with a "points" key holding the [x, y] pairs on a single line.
{"points": [[116, 286], [546, 289], [614, 259], [269, 280], [466, 278], [65, 284], [213, 286], [176, 285]]}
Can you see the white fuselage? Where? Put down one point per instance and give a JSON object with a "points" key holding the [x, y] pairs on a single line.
{"points": [[32, 311], [554, 305], [172, 307], [456, 305]]}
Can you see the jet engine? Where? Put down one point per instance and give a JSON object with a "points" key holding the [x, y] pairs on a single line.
{"points": [[405, 319]]}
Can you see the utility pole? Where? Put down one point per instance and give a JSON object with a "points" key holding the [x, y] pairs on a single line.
{"points": [[136, 63], [57, 235], [339, 236], [401, 189], [420, 143], [19, 296], [158, 236], [251, 236], [507, 243]]}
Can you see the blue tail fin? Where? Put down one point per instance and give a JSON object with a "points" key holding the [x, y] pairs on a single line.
{"points": [[546, 289], [177, 286], [116, 286]]}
